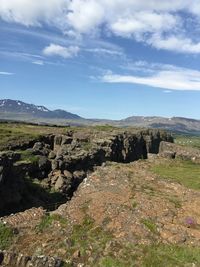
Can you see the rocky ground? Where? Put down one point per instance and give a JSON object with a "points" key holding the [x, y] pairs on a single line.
{"points": [[123, 213], [117, 216]]}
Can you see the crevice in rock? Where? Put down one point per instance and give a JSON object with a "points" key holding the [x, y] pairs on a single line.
{"points": [[49, 171]]}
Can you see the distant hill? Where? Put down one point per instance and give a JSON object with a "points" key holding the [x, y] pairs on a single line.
{"points": [[19, 111], [176, 124], [16, 107]]}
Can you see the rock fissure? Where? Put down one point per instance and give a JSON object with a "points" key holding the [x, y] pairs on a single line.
{"points": [[49, 171]]}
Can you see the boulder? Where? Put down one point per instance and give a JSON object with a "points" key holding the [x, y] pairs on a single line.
{"points": [[167, 149], [79, 175], [168, 154], [52, 155], [60, 183], [38, 146], [44, 164], [54, 165], [67, 174]]}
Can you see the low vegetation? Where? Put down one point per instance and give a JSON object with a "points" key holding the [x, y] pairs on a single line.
{"points": [[150, 225], [156, 255], [48, 220], [186, 140], [13, 134], [87, 237], [184, 172], [106, 127], [6, 236], [27, 156], [170, 255]]}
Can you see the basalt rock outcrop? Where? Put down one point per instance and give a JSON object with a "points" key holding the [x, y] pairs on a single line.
{"points": [[49, 170], [10, 259], [169, 150]]}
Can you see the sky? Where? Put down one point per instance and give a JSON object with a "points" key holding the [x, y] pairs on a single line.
{"points": [[102, 59]]}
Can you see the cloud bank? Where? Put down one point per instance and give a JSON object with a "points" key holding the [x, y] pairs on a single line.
{"points": [[158, 75], [169, 25], [32, 12]]}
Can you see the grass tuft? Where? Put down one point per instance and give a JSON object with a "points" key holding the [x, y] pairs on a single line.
{"points": [[48, 220], [149, 223]]}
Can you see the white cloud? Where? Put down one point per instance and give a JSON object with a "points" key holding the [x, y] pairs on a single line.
{"points": [[85, 15], [167, 91], [38, 62], [33, 12], [161, 76], [26, 57], [160, 24], [6, 73], [105, 51], [175, 43], [58, 50], [144, 22]]}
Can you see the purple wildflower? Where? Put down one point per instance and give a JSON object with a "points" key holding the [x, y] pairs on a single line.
{"points": [[190, 222]]}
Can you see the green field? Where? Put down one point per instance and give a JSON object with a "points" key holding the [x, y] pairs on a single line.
{"points": [[187, 140], [19, 133], [186, 173]]}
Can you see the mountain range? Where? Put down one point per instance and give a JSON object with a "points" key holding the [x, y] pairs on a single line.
{"points": [[16, 110], [18, 107]]}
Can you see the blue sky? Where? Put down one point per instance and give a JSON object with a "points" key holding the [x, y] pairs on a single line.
{"points": [[106, 59]]}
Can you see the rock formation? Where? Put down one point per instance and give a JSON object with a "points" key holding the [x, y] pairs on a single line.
{"points": [[49, 170], [169, 150], [11, 259]]}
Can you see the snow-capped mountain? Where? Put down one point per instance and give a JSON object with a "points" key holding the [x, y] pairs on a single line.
{"points": [[19, 111], [19, 107]]}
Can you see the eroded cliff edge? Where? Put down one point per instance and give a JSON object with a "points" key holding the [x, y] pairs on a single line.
{"points": [[47, 171]]}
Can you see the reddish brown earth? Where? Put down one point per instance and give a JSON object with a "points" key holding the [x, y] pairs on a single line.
{"points": [[121, 197], [126, 201]]}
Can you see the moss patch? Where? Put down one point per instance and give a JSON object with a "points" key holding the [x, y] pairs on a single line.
{"points": [[27, 156]]}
